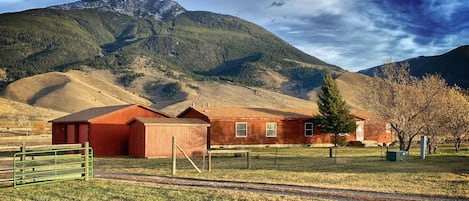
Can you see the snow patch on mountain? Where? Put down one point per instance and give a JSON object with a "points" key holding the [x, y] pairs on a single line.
{"points": [[158, 9]]}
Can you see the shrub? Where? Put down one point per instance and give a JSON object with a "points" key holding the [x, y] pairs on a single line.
{"points": [[39, 127]]}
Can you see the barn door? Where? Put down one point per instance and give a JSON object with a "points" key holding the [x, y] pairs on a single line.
{"points": [[71, 134], [360, 132], [83, 133]]}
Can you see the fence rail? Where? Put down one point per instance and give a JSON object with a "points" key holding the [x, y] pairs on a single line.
{"points": [[5, 171], [57, 163]]}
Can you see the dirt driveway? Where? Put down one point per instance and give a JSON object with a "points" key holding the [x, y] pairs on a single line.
{"points": [[312, 192]]}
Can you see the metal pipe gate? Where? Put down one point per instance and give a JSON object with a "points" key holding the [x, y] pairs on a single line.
{"points": [[47, 166]]}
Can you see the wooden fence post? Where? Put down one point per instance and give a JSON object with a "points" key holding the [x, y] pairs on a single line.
{"points": [[173, 171], [209, 161], [249, 160], [86, 164], [22, 158]]}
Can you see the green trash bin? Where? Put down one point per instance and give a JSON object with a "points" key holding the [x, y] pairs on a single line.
{"points": [[396, 155]]}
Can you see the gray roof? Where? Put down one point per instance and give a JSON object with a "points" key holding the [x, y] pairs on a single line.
{"points": [[169, 121], [91, 113]]}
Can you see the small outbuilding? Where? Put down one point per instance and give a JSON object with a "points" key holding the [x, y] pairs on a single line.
{"points": [[152, 137], [105, 128]]}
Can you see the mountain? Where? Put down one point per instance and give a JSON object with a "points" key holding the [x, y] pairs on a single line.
{"points": [[453, 66], [157, 9], [195, 45], [93, 53]]}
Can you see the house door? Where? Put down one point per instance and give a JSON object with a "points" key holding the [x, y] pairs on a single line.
{"points": [[360, 132]]}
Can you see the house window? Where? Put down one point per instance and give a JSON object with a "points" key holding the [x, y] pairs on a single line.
{"points": [[308, 129], [241, 129], [271, 129], [388, 128]]}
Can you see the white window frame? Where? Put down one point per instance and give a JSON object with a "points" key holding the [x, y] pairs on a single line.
{"points": [[306, 129], [245, 130], [267, 129]]}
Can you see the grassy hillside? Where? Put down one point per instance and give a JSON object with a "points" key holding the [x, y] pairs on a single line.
{"points": [[200, 45], [77, 90], [69, 92]]}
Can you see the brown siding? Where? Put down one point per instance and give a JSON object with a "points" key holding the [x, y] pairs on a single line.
{"points": [[191, 139], [156, 140], [288, 132], [376, 131]]}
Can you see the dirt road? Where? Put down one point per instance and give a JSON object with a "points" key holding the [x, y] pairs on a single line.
{"points": [[312, 192]]}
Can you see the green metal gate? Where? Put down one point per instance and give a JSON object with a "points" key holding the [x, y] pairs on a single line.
{"points": [[47, 166]]}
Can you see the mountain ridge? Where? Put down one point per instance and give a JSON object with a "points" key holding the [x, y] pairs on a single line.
{"points": [[158, 9], [453, 66]]}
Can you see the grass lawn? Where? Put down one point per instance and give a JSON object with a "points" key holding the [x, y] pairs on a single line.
{"points": [[98, 189], [445, 173]]}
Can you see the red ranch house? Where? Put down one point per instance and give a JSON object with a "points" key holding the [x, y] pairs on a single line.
{"points": [[105, 128], [235, 127]]}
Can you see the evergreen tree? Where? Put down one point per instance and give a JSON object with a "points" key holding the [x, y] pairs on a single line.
{"points": [[335, 117]]}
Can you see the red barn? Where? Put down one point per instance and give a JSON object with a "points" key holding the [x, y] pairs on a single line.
{"points": [[233, 127], [152, 137], [105, 128]]}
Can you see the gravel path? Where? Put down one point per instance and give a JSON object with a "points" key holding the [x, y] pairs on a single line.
{"points": [[282, 189]]}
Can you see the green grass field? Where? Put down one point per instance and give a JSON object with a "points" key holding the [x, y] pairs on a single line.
{"points": [[445, 173]]}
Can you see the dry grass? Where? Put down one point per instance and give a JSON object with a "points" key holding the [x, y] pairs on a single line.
{"points": [[364, 169], [445, 173], [69, 92], [32, 140], [98, 189]]}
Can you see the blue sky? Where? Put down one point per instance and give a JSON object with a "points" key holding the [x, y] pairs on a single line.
{"points": [[353, 34]]}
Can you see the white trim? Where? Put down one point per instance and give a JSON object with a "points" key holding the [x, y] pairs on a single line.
{"points": [[312, 129], [388, 128], [236, 128], [267, 129], [270, 145]]}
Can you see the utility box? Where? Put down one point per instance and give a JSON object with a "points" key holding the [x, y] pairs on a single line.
{"points": [[395, 155]]}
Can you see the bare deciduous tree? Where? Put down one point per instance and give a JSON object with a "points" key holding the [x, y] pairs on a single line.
{"points": [[436, 117], [402, 100], [457, 118]]}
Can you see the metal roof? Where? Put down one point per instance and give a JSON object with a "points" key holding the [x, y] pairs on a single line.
{"points": [[239, 112], [169, 121], [260, 113], [91, 113]]}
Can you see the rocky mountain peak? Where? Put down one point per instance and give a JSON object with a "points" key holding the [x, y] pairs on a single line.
{"points": [[159, 9]]}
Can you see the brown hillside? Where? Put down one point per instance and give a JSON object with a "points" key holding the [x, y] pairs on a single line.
{"points": [[77, 90], [350, 85], [69, 92]]}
